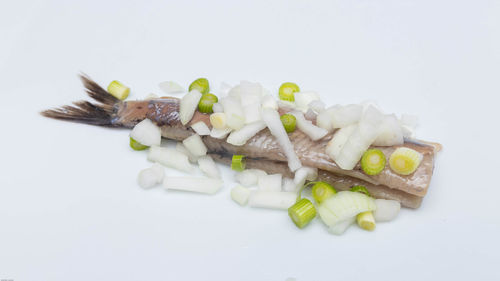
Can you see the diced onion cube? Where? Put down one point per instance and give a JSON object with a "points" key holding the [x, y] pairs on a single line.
{"points": [[170, 87], [170, 157], [272, 199], [201, 128], [195, 145], [188, 105], [270, 182], [240, 195], [208, 167], [146, 133]]}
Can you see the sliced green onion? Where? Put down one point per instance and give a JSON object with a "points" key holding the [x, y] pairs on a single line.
{"points": [[135, 145], [366, 221], [405, 161], [238, 163], [289, 122], [322, 191], [287, 91], [302, 212], [360, 189], [200, 84], [207, 102], [373, 162], [118, 90]]}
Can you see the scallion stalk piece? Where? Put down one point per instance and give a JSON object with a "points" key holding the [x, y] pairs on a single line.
{"points": [[302, 212], [238, 163], [366, 221], [200, 84], [361, 189], [207, 102], [373, 162], [405, 161], [322, 191], [289, 122], [135, 145], [118, 90], [287, 91]]}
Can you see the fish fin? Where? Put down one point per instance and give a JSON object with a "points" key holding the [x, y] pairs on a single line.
{"points": [[102, 113]]}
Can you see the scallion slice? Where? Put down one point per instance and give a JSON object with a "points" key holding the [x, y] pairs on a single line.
{"points": [[361, 189], [289, 122], [118, 90], [322, 191], [238, 163], [207, 102], [287, 91], [135, 145], [302, 212], [373, 162], [405, 161], [200, 84], [366, 221]]}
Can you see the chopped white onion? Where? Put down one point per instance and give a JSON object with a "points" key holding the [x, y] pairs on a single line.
{"points": [[325, 117], [272, 199], [390, 132], [235, 121], [303, 99], [408, 125], [217, 108], [201, 128], [387, 210], [152, 176], [182, 149], [346, 115], [170, 157], [286, 105], [208, 167], [272, 119], [341, 227], [188, 106], [240, 195], [270, 182], [303, 174], [252, 112], [170, 87], [220, 133], [249, 177], [248, 88], [195, 145], [289, 185], [151, 96], [307, 127], [193, 184], [146, 133], [310, 115], [241, 136], [224, 88], [234, 92], [269, 101], [317, 105], [340, 137]]}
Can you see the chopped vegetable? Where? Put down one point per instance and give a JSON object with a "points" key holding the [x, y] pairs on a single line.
{"points": [[224, 88], [220, 133], [313, 132], [201, 85], [373, 162], [201, 128], [146, 133], [341, 227], [322, 191], [270, 182], [241, 136], [234, 112], [338, 141], [152, 176], [325, 117], [249, 177], [289, 121], [252, 112], [361, 189], [170, 157], [366, 221], [217, 107], [170, 87], [151, 96], [391, 132], [287, 90], [344, 205], [195, 145], [346, 115], [238, 163], [118, 90], [218, 120], [269, 102], [135, 145], [240, 195], [206, 103], [317, 106], [405, 161], [273, 122], [235, 121], [181, 148], [302, 212], [193, 184], [208, 167], [387, 210], [188, 106], [272, 199], [302, 100], [303, 174], [288, 185]]}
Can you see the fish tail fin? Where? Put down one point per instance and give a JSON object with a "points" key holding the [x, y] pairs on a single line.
{"points": [[102, 113]]}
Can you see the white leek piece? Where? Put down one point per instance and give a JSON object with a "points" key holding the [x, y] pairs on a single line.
{"points": [[146, 133], [151, 177], [313, 132], [220, 133], [272, 199], [241, 136], [170, 157], [201, 128], [208, 167], [344, 205], [338, 141], [387, 210], [270, 182], [188, 106], [195, 145], [193, 184], [171, 87], [181, 148], [240, 195], [249, 177]]}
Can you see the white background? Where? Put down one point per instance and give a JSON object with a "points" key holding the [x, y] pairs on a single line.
{"points": [[69, 205]]}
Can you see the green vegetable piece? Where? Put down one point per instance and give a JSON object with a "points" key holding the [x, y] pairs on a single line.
{"points": [[366, 221], [287, 91], [289, 122], [118, 90], [207, 102], [238, 163], [200, 84], [322, 190], [302, 212], [373, 162], [135, 145], [361, 189]]}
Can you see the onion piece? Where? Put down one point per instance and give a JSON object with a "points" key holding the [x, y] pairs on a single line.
{"points": [[220, 133], [170, 157], [325, 117], [272, 199], [346, 115], [193, 184], [170, 87], [241, 136], [235, 121], [224, 88], [303, 174], [313, 132], [249, 177], [182, 149], [240, 195], [201, 128], [151, 96], [344, 205], [146, 133], [317, 106], [390, 132], [208, 167], [289, 185], [272, 119], [217, 108], [188, 105], [338, 141], [387, 210], [341, 227], [303, 99], [252, 112], [270, 182], [195, 145], [269, 101], [150, 177]]}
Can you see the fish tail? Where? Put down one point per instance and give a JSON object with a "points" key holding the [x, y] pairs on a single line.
{"points": [[102, 113]]}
